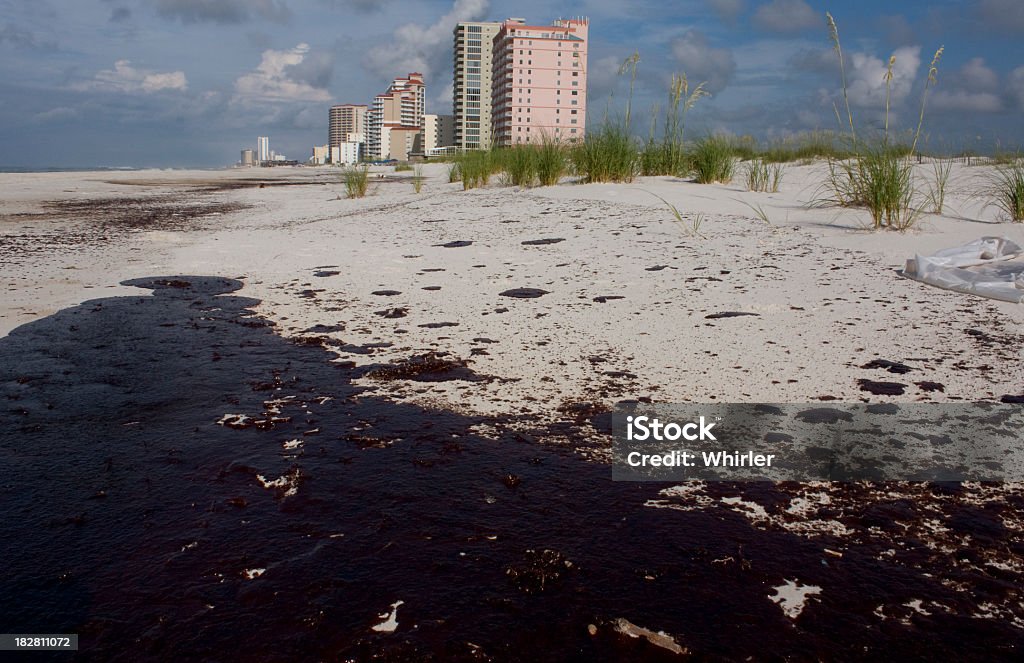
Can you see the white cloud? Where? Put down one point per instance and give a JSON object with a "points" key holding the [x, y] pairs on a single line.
{"points": [[975, 75], [787, 16], [422, 49], [59, 114], [702, 62], [963, 100], [866, 77], [126, 78], [1015, 86], [728, 10], [272, 82], [972, 88]]}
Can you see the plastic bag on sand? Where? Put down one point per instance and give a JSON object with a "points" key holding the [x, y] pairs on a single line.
{"points": [[985, 267]]}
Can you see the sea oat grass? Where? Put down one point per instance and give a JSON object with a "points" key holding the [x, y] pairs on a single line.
{"points": [[713, 160], [606, 155], [356, 181], [1005, 189]]}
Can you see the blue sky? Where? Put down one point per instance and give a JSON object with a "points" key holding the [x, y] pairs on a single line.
{"points": [[191, 82]]}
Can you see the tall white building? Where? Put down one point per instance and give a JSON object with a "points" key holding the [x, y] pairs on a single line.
{"points": [[400, 109], [471, 94], [263, 148]]}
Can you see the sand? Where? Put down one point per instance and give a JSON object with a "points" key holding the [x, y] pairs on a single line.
{"points": [[629, 290], [241, 479]]}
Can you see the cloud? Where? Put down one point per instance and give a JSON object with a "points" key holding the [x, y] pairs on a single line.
{"points": [[59, 114], [1015, 86], [223, 11], [963, 100], [127, 79], [284, 76], [120, 14], [1002, 15], [728, 10], [15, 36], [866, 77], [422, 49], [976, 76], [361, 6], [787, 16], [974, 87], [897, 29], [702, 62]]}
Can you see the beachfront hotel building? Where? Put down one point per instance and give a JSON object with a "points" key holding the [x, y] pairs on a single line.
{"points": [[263, 148], [539, 79], [395, 118], [471, 91], [346, 124], [438, 135]]}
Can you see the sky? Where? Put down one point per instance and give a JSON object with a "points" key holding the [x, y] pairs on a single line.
{"points": [[189, 83]]}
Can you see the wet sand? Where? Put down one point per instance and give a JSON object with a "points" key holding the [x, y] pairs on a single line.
{"points": [[328, 407]]}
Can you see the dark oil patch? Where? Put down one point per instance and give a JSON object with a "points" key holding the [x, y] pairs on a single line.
{"points": [[891, 366], [524, 293], [882, 388], [729, 314]]}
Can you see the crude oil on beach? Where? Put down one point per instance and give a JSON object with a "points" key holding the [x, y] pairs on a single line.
{"points": [[248, 418]]}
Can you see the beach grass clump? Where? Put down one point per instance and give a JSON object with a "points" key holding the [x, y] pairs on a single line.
{"points": [[356, 181], [713, 160], [417, 178], [550, 160], [403, 167], [1005, 188], [805, 147], [885, 185], [879, 175], [667, 155], [520, 165], [454, 171], [606, 155], [941, 169], [763, 176], [475, 168]]}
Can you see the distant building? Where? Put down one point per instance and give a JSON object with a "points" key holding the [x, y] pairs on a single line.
{"points": [[471, 92], [347, 153], [438, 132], [400, 108], [321, 155], [539, 82], [248, 158], [347, 123], [263, 149]]}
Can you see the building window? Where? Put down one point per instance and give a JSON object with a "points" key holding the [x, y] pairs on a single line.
{"points": [[572, 131], [474, 28], [573, 102], [574, 121], [574, 93], [575, 73], [575, 83], [573, 111]]}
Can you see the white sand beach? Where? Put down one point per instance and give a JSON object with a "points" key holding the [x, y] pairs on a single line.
{"points": [[629, 289]]}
